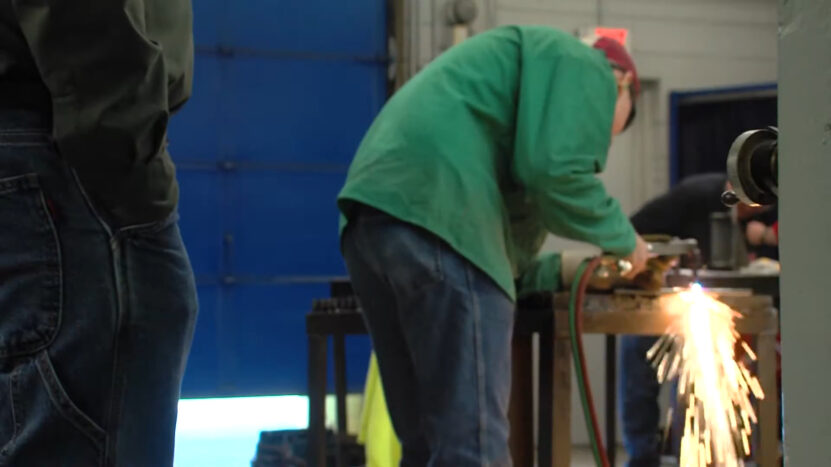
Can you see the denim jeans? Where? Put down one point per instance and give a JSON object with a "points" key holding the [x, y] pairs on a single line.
{"points": [[639, 392], [95, 321], [640, 412], [441, 329]]}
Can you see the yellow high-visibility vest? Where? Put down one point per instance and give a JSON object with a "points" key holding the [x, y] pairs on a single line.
{"points": [[377, 434]]}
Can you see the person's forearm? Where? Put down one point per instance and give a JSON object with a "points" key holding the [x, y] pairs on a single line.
{"points": [[106, 76], [576, 206], [109, 86]]}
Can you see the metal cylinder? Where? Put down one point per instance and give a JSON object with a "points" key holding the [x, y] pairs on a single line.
{"points": [[728, 248], [722, 251], [752, 166]]}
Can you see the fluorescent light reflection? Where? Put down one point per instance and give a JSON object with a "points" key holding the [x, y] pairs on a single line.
{"points": [[224, 432]]}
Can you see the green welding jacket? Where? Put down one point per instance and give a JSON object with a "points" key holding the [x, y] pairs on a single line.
{"points": [[111, 72], [494, 144]]}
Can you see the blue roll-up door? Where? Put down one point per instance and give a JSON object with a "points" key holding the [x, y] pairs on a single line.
{"points": [[283, 92]]}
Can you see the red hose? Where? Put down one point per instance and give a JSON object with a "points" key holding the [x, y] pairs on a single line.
{"points": [[578, 314]]}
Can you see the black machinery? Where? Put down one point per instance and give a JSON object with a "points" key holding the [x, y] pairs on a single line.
{"points": [[753, 168]]}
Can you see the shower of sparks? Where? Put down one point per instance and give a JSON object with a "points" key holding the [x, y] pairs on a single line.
{"points": [[714, 389]]}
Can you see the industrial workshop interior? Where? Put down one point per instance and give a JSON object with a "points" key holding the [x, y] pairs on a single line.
{"points": [[443, 233]]}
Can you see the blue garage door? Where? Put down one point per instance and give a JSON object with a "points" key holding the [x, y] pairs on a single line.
{"points": [[283, 92]]}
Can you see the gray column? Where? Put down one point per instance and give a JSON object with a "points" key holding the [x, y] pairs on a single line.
{"points": [[805, 197]]}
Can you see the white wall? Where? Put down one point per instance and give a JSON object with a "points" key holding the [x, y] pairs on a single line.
{"points": [[676, 44]]}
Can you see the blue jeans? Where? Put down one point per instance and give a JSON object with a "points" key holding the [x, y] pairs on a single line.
{"points": [[639, 391], [95, 322], [441, 329]]}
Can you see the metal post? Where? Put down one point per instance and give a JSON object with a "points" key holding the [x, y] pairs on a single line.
{"points": [[316, 450], [611, 398], [521, 409], [545, 420], [340, 395]]}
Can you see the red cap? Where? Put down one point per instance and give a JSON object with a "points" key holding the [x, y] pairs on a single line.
{"points": [[617, 54]]}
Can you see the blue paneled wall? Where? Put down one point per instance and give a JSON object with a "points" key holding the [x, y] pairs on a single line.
{"points": [[283, 92]]}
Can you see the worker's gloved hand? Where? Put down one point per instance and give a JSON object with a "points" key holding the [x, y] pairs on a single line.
{"points": [[637, 258]]}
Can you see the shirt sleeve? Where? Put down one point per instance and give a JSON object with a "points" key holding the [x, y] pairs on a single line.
{"points": [[108, 85], [542, 275], [564, 117]]}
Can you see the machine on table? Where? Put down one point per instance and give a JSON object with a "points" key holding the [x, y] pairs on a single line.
{"points": [[632, 310]]}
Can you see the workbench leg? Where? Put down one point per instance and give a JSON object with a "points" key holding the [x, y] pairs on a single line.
{"points": [[769, 406], [340, 396], [561, 442], [521, 408], [316, 449], [611, 398], [545, 394]]}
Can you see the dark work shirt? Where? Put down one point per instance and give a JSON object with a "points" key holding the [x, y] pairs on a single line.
{"points": [[685, 210], [111, 72]]}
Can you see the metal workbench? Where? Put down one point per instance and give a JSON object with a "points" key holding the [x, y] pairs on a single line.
{"points": [[545, 315], [758, 283]]}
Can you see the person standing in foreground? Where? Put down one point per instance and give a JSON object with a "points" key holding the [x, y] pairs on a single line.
{"points": [[98, 298], [451, 194]]}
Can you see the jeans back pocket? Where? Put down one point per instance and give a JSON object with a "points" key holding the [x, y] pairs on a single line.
{"points": [[30, 269]]}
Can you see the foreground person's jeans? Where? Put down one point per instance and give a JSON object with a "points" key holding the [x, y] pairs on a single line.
{"points": [[95, 323], [441, 329]]}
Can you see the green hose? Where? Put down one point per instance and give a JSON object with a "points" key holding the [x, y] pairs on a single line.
{"points": [[580, 371]]}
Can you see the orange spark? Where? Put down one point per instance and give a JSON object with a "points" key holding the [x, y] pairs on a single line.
{"points": [[699, 349]]}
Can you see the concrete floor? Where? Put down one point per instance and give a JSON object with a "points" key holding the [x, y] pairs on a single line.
{"points": [[224, 432], [581, 456]]}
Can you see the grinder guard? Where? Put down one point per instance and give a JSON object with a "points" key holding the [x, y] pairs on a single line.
{"points": [[752, 168]]}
